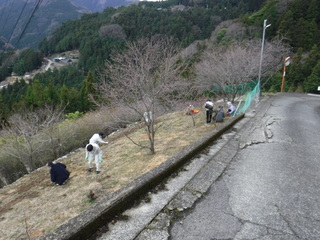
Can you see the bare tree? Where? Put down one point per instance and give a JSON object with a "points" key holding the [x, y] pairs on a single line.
{"points": [[145, 81], [25, 139], [227, 70], [273, 57], [50, 133], [114, 31]]}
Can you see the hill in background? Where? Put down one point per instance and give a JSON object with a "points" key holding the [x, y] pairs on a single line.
{"points": [[100, 5], [24, 24]]}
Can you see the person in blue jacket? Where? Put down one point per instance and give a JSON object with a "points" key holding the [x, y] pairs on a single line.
{"points": [[58, 173]]}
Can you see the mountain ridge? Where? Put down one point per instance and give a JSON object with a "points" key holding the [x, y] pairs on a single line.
{"points": [[100, 5], [23, 24]]}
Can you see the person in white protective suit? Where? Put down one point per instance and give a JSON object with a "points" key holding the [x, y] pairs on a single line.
{"points": [[93, 152], [97, 138]]}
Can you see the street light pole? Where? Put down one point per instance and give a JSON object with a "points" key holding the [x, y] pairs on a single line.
{"points": [[265, 26]]}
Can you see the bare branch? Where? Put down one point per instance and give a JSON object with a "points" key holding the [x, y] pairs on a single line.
{"points": [[114, 31], [25, 133], [146, 78], [230, 69]]}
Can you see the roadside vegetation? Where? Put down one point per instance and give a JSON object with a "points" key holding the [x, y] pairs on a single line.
{"points": [[33, 206], [153, 76]]}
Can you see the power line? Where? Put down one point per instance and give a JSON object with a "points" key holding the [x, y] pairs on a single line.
{"points": [[31, 15], [24, 6], [6, 19], [2, 13]]}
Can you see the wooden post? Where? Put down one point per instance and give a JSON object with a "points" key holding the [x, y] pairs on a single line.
{"points": [[283, 75]]}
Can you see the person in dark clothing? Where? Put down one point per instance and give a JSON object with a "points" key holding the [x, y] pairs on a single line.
{"points": [[209, 110], [219, 115], [58, 173]]}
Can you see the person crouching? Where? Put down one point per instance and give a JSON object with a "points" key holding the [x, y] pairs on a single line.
{"points": [[58, 173]]}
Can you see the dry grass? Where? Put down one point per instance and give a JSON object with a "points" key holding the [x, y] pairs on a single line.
{"points": [[33, 206]]}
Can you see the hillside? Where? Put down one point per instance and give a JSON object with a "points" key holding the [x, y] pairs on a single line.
{"points": [[100, 5], [24, 24], [47, 64], [33, 206]]}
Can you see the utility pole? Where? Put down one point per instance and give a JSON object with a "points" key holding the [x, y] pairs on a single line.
{"points": [[265, 26]]}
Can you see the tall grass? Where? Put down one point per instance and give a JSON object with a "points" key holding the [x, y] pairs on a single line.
{"points": [[55, 142]]}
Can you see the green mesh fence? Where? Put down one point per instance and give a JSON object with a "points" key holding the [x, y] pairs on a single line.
{"points": [[241, 89], [245, 103]]}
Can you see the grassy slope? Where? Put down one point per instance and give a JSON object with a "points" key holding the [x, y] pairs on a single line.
{"points": [[35, 206]]}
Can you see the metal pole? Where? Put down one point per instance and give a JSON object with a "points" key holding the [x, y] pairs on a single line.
{"points": [[261, 55]]}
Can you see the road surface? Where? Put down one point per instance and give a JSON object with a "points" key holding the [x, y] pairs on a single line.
{"points": [[259, 181], [271, 189]]}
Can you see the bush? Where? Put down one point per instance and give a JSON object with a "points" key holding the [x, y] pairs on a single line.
{"points": [[299, 89], [10, 169], [60, 140], [74, 115]]}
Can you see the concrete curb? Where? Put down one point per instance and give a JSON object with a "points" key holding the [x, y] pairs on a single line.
{"points": [[86, 223]]}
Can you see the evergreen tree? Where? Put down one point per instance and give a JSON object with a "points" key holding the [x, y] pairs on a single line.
{"points": [[300, 24], [36, 96], [312, 59], [302, 67], [87, 90], [51, 93], [64, 95], [14, 93], [313, 11], [313, 81], [74, 101], [27, 61], [295, 73], [4, 111]]}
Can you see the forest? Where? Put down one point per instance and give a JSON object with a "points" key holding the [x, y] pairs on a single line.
{"points": [[218, 32], [98, 35]]}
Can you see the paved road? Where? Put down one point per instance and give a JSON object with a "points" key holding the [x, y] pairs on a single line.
{"points": [[260, 181], [49, 63], [271, 189]]}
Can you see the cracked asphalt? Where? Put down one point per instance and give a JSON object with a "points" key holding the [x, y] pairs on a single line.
{"points": [[270, 189], [259, 181]]}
